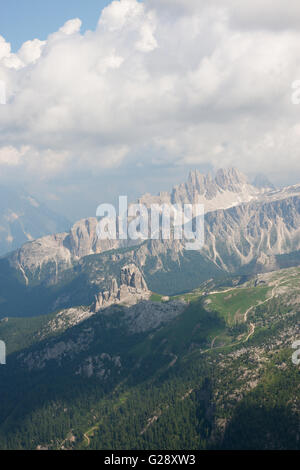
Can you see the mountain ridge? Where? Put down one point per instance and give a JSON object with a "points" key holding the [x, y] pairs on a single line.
{"points": [[256, 236]]}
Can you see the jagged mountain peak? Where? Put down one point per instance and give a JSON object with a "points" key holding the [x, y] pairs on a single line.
{"points": [[227, 188], [261, 181], [196, 179], [226, 177]]}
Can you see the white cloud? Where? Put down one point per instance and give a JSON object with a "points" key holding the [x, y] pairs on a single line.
{"points": [[4, 48], [160, 82], [31, 51], [71, 26], [121, 14], [10, 156], [253, 14]]}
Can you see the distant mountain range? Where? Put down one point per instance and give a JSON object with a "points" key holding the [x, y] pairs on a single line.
{"points": [[247, 230], [228, 188], [146, 345], [23, 218]]}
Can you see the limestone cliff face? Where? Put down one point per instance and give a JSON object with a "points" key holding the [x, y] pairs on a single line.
{"points": [[207, 190], [58, 252], [82, 240], [228, 188], [255, 231], [131, 288], [247, 225]]}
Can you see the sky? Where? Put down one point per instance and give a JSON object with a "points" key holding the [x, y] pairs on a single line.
{"points": [[23, 20], [124, 97]]}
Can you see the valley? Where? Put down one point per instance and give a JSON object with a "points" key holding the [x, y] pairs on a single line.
{"points": [[207, 356], [119, 347]]}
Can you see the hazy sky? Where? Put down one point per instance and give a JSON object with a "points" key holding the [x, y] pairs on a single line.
{"points": [[126, 100]]}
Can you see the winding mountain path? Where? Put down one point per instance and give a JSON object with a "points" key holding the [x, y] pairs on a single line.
{"points": [[252, 325], [261, 302], [251, 332], [87, 439]]}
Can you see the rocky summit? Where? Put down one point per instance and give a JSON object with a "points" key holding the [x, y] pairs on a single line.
{"points": [[130, 289]]}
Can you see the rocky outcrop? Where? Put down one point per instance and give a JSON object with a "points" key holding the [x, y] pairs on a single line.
{"points": [[132, 277], [147, 316], [65, 319], [131, 288]]}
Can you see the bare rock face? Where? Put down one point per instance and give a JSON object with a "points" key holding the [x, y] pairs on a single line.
{"points": [[227, 189], [230, 179], [82, 239], [46, 257], [132, 277], [67, 318], [147, 316], [59, 251], [132, 288], [242, 222], [267, 262], [255, 231]]}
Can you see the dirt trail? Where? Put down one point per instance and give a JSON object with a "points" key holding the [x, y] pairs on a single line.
{"points": [[174, 360], [87, 438], [261, 303], [252, 325], [222, 291], [251, 332], [213, 342], [85, 435]]}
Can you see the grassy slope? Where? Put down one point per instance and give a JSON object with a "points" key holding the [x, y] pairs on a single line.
{"points": [[172, 363], [21, 333], [232, 305]]}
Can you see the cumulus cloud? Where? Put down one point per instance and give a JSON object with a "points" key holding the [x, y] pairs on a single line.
{"points": [[30, 52], [4, 48], [71, 26], [164, 82], [255, 14]]}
